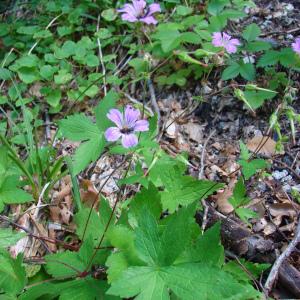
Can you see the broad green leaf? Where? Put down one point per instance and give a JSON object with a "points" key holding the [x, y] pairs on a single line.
{"points": [[108, 102], [62, 77], [9, 237], [216, 6], [247, 71], [251, 32], [206, 249], [10, 193], [5, 74], [28, 75], [186, 281], [86, 288], [245, 213], [251, 167], [12, 274], [183, 190], [109, 14], [139, 65], [183, 10], [256, 46], [92, 60], [79, 128], [53, 98], [270, 58], [231, 71], [239, 195]]}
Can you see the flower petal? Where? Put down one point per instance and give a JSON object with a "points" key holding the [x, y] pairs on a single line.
{"points": [[131, 116], [115, 116], [235, 42], [153, 8], [141, 125], [230, 48], [129, 18], [129, 140], [112, 134], [139, 6], [217, 39], [296, 45], [149, 20]]}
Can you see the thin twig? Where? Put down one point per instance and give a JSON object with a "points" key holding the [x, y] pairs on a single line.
{"points": [[202, 165], [101, 57], [153, 99], [284, 255], [135, 101], [48, 26]]}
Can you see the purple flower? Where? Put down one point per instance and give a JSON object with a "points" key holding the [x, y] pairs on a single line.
{"points": [[224, 40], [127, 124], [296, 45], [137, 11]]}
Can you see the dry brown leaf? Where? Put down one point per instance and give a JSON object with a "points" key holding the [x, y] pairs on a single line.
{"points": [[282, 209], [222, 198], [268, 148], [194, 131], [88, 193]]}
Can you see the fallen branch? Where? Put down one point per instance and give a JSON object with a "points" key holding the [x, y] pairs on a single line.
{"points": [[279, 261]]}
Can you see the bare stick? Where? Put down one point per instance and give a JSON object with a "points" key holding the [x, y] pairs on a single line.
{"points": [[135, 101], [200, 176], [153, 99], [101, 57], [284, 255], [49, 25]]}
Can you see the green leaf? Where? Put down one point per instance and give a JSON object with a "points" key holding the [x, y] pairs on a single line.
{"points": [[9, 237], [28, 75], [139, 65], [62, 77], [183, 190], [251, 32], [47, 71], [250, 168], [168, 35], [12, 274], [239, 195], [231, 71], [43, 34], [216, 6], [270, 58], [92, 60], [207, 248], [186, 281], [109, 14], [86, 288], [256, 46], [245, 214], [10, 193], [96, 223], [245, 154], [183, 10], [53, 98], [108, 102], [5, 74], [80, 128], [247, 71]]}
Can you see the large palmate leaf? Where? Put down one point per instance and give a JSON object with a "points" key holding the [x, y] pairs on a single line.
{"points": [[173, 262], [183, 190], [82, 288], [12, 274]]}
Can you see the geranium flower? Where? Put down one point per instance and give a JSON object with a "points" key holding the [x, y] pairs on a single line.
{"points": [[296, 45], [224, 40], [128, 123], [137, 11]]}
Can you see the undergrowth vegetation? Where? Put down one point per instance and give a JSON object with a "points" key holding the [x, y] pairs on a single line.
{"points": [[75, 61]]}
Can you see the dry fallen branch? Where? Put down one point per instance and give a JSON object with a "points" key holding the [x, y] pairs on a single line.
{"points": [[279, 261]]}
